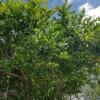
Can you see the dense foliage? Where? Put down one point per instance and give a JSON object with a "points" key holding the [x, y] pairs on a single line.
{"points": [[42, 56]]}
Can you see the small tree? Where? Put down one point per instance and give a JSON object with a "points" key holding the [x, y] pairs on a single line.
{"points": [[42, 57]]}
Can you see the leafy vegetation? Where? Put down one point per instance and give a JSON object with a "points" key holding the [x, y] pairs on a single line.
{"points": [[43, 57]]}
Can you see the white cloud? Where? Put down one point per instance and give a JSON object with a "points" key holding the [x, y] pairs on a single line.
{"points": [[86, 6], [94, 12], [90, 10]]}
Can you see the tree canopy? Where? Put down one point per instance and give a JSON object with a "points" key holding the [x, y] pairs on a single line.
{"points": [[43, 57]]}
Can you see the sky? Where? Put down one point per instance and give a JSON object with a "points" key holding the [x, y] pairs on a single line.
{"points": [[92, 7]]}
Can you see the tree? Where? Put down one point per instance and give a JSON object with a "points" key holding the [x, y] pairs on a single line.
{"points": [[95, 83], [42, 57]]}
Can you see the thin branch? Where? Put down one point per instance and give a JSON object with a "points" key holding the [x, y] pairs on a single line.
{"points": [[2, 73]]}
